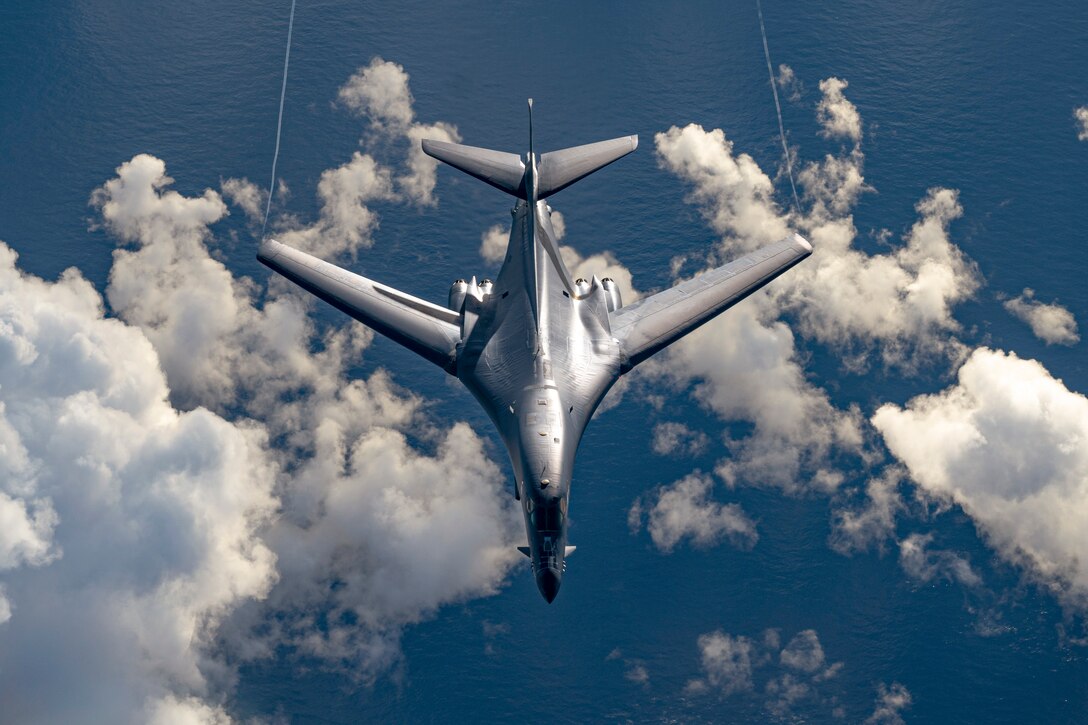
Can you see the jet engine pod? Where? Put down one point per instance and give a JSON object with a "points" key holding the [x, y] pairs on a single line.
{"points": [[611, 294], [486, 286], [458, 290], [581, 287]]}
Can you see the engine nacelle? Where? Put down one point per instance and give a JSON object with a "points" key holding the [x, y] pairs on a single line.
{"points": [[458, 290], [486, 286], [581, 287], [611, 294]]}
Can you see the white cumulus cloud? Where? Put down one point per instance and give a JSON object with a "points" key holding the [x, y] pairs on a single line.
{"points": [[896, 306], [726, 663], [857, 529], [1009, 444], [144, 531], [923, 563], [890, 703], [380, 92], [347, 193], [493, 243], [26, 530], [838, 116], [734, 193], [735, 665], [343, 443], [676, 439], [790, 84], [1051, 323], [172, 710], [899, 302], [151, 536], [745, 367], [803, 652], [246, 195], [745, 364], [684, 510], [1080, 115], [346, 222], [398, 532], [5, 607]]}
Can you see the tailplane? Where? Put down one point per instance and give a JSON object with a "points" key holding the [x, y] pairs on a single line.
{"points": [[560, 169], [501, 170], [556, 170]]}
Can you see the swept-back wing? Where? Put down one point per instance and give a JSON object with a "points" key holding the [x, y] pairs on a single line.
{"points": [[654, 323], [425, 328]]}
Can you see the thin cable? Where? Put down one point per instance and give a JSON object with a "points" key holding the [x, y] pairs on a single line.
{"points": [[778, 108], [279, 121]]}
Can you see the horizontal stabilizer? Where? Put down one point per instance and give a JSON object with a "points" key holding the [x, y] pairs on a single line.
{"points": [[566, 552], [560, 169], [498, 168], [655, 322], [506, 171]]}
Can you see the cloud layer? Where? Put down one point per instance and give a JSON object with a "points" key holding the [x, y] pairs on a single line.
{"points": [[1051, 323], [151, 536], [783, 678], [895, 307], [1009, 444], [684, 510], [130, 528]]}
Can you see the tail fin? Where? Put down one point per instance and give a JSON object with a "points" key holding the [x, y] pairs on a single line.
{"points": [[530, 125], [557, 169]]}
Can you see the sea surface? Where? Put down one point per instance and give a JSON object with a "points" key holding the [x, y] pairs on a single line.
{"points": [[970, 95]]}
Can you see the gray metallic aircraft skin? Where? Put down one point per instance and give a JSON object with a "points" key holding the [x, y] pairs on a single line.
{"points": [[537, 349]]}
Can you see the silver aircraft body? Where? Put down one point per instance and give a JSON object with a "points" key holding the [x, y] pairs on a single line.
{"points": [[537, 349]]}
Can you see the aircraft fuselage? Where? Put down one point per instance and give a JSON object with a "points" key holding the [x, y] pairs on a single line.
{"points": [[538, 354], [536, 348]]}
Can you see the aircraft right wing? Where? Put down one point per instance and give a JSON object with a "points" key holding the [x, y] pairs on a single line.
{"points": [[425, 328], [656, 322]]}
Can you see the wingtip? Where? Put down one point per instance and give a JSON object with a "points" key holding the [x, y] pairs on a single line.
{"points": [[802, 242], [270, 248], [427, 145]]}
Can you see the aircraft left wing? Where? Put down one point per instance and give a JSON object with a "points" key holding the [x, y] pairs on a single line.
{"points": [[423, 327], [656, 322]]}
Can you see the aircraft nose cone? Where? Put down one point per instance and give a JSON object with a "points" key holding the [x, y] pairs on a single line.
{"points": [[548, 581]]}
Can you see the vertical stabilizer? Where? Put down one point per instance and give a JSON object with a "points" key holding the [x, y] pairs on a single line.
{"points": [[530, 126]]}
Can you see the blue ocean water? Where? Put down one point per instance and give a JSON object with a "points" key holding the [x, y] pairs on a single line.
{"points": [[970, 95]]}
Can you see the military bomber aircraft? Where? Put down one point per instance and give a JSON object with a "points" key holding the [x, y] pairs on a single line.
{"points": [[537, 349]]}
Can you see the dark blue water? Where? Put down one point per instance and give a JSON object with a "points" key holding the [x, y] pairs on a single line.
{"points": [[975, 96]]}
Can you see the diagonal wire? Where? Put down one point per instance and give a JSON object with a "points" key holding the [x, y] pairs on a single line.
{"points": [[777, 108], [279, 121]]}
